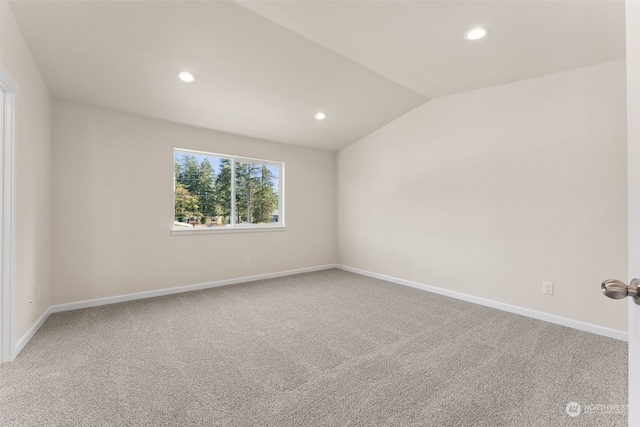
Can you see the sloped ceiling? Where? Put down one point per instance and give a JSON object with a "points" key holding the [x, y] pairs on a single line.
{"points": [[264, 68], [420, 44]]}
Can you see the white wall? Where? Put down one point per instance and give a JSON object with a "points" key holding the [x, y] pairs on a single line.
{"points": [[488, 193], [32, 174], [494, 191], [113, 208]]}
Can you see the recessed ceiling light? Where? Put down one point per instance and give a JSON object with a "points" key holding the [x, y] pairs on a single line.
{"points": [[321, 116], [186, 76], [476, 33]]}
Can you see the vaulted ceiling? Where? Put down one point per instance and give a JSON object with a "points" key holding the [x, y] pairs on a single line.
{"points": [[264, 68]]}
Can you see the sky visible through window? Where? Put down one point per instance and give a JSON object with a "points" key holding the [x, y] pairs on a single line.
{"points": [[215, 162]]}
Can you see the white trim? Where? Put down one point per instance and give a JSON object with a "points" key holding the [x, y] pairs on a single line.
{"points": [[632, 17], [226, 229], [281, 204], [180, 289], [7, 215], [32, 331], [228, 156], [151, 294], [232, 208], [234, 159], [552, 318], [612, 333]]}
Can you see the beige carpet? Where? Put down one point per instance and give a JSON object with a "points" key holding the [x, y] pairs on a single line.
{"points": [[329, 348]]}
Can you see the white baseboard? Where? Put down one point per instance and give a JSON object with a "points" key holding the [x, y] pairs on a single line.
{"points": [[177, 290], [150, 294], [571, 323], [576, 324], [22, 342]]}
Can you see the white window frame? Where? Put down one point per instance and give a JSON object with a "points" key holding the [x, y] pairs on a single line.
{"points": [[233, 227]]}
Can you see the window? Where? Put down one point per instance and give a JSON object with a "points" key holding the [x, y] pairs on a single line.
{"points": [[218, 192]]}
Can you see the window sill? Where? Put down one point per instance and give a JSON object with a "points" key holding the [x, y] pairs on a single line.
{"points": [[225, 230]]}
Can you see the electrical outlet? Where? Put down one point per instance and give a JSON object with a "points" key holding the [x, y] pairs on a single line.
{"points": [[547, 288], [247, 260]]}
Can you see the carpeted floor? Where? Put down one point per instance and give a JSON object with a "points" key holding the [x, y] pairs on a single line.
{"points": [[329, 348]]}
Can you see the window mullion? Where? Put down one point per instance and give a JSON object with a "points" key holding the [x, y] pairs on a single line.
{"points": [[222, 170], [232, 220]]}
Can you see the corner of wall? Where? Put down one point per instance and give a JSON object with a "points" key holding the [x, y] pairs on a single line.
{"points": [[33, 177]]}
